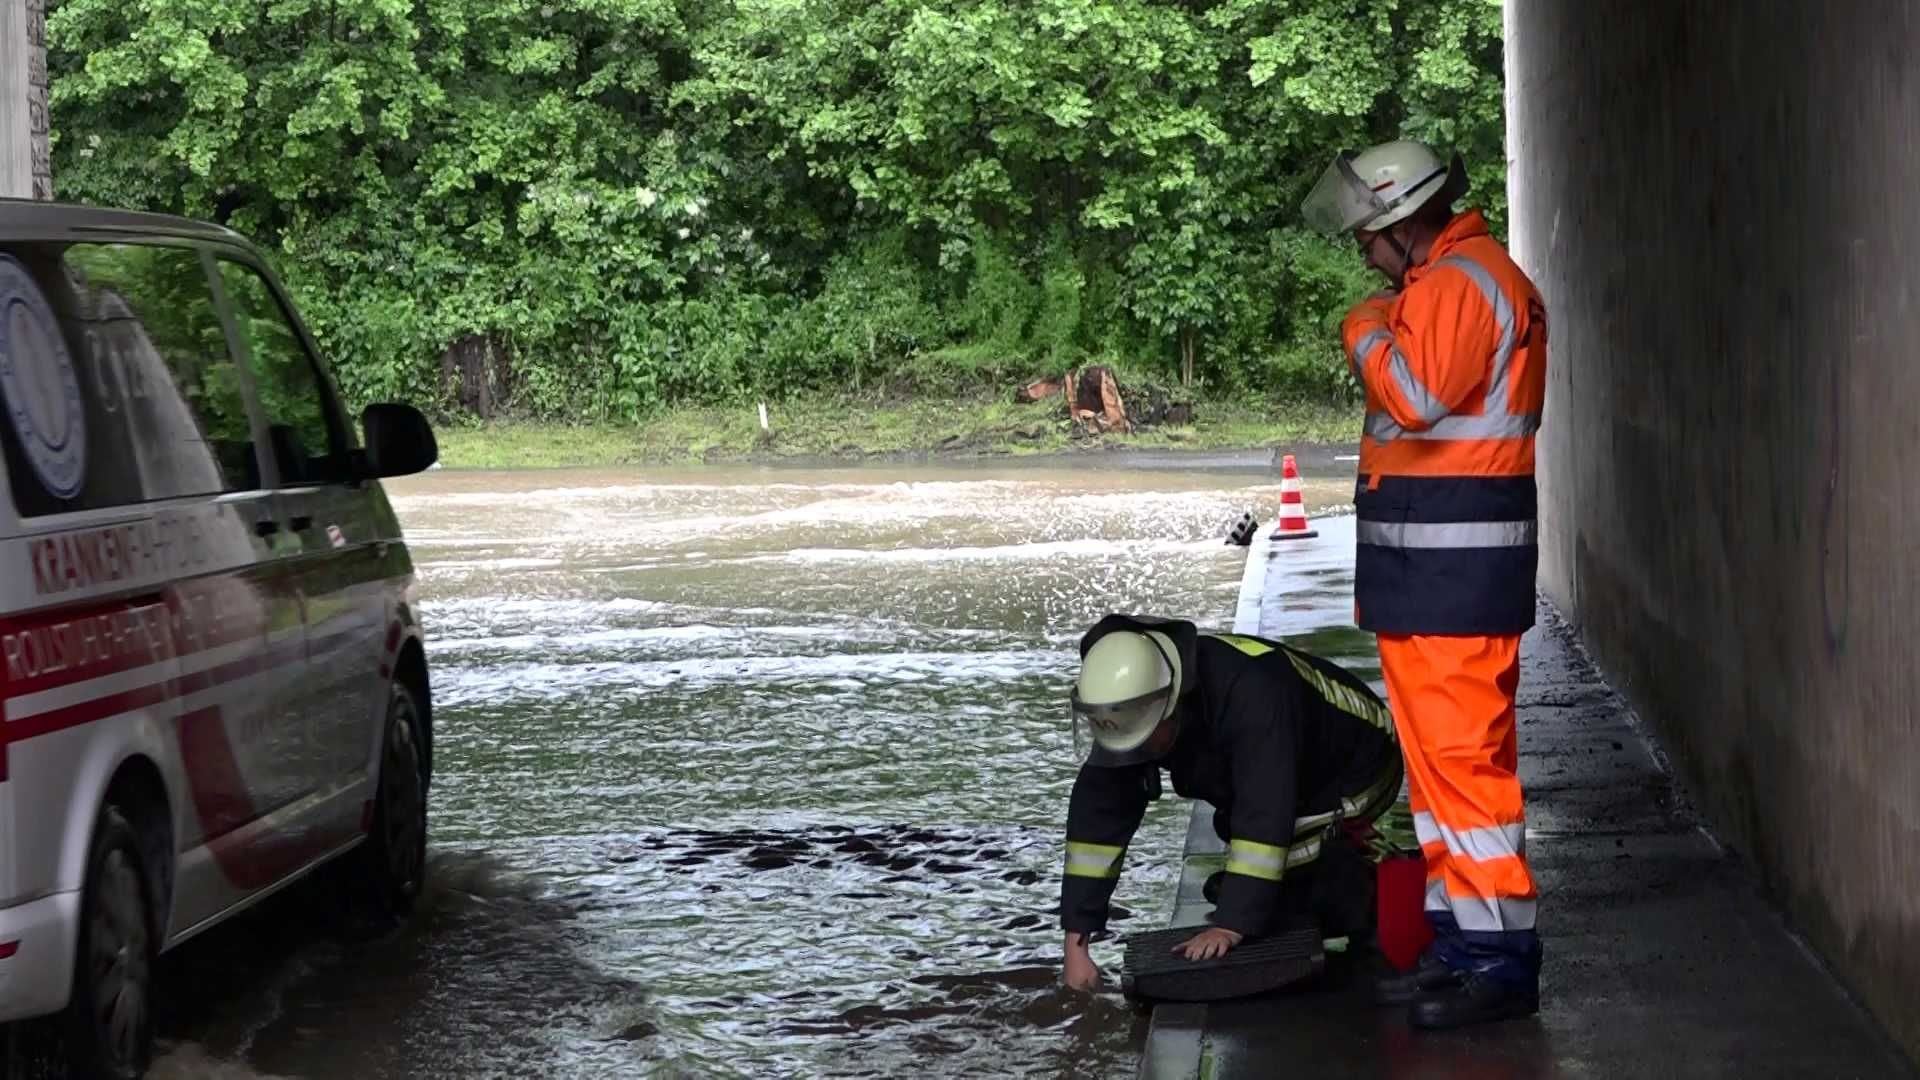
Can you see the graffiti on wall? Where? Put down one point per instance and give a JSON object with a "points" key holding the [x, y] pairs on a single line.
{"points": [[37, 126]]}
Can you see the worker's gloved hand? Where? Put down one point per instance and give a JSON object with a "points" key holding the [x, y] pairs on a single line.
{"points": [[1209, 943], [1081, 972], [1384, 296]]}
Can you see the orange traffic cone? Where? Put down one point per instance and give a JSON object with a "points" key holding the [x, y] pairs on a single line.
{"points": [[1293, 507]]}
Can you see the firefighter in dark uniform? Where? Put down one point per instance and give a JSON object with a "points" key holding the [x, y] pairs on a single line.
{"points": [[1292, 751]]}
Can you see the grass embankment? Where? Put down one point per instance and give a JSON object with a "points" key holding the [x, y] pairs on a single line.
{"points": [[853, 429]]}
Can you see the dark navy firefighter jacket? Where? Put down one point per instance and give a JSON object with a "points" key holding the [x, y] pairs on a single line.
{"points": [[1283, 744]]}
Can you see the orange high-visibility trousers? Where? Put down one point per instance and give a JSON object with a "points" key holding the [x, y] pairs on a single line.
{"points": [[1453, 706]]}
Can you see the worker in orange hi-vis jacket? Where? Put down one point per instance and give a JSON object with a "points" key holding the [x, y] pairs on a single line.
{"points": [[1453, 360]]}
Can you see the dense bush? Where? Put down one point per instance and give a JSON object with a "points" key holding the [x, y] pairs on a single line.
{"points": [[621, 203]]}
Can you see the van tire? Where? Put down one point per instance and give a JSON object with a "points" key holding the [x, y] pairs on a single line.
{"points": [[109, 1018], [393, 864]]}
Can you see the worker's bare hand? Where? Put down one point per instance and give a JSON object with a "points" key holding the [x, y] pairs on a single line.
{"points": [[1209, 943], [1081, 972]]}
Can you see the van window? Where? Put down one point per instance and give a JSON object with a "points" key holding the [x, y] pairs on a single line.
{"points": [[301, 422], [117, 383]]}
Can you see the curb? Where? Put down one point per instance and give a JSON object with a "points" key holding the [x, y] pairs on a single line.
{"points": [[1176, 1047]]}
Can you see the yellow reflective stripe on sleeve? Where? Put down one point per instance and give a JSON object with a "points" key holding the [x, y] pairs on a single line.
{"points": [[1264, 861], [1093, 860], [1269, 862], [1336, 693], [1246, 644], [1343, 697]]}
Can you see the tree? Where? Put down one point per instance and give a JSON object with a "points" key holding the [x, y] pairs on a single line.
{"points": [[638, 201]]}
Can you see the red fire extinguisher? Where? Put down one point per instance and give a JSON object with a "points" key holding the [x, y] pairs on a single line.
{"points": [[1400, 893]]}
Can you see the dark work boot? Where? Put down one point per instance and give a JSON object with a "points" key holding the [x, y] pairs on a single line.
{"points": [[1474, 999], [1401, 987]]}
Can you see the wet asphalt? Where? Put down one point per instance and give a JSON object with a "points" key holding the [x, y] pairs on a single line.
{"points": [[1662, 955]]}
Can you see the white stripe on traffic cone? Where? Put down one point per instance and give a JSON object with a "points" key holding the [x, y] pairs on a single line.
{"points": [[1293, 523]]}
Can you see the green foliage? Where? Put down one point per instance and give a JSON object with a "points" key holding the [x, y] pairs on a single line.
{"points": [[642, 202], [871, 309], [999, 301], [1057, 328]]}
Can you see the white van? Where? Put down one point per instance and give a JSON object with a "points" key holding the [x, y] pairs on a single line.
{"points": [[212, 678]]}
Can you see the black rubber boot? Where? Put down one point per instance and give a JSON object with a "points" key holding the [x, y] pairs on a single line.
{"points": [[1472, 1000], [1401, 987]]}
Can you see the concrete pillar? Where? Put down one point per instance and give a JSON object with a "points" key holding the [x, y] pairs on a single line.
{"points": [[25, 168], [1717, 200]]}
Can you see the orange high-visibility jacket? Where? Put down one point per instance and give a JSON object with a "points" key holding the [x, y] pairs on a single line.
{"points": [[1455, 373]]}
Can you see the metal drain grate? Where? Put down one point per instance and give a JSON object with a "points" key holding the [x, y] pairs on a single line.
{"points": [[1154, 972]]}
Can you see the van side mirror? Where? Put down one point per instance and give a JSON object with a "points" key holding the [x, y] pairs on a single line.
{"points": [[399, 440]]}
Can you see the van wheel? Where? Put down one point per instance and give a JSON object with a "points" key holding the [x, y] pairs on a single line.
{"points": [[394, 858], [109, 1017]]}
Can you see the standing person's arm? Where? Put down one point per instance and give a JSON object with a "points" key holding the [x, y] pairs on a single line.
{"points": [[1421, 354], [1102, 814]]}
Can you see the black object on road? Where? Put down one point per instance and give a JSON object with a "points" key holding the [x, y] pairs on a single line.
{"points": [[1151, 970], [1241, 535]]}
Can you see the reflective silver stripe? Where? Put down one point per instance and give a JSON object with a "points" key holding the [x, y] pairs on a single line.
{"points": [[1353, 806], [1382, 790], [1317, 821], [1494, 421], [1448, 534], [1502, 318], [1382, 428], [1356, 805], [1437, 895], [1425, 828], [1303, 853], [1423, 402], [1488, 842], [1474, 913], [1491, 425], [1357, 359]]}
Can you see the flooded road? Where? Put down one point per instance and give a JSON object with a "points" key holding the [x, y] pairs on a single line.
{"points": [[750, 772]]}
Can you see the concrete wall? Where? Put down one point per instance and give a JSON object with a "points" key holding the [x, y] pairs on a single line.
{"points": [[24, 167], [1720, 200]]}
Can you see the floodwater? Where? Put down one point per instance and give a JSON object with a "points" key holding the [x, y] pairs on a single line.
{"points": [[749, 772]]}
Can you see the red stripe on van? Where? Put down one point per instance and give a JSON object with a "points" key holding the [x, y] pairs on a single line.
{"points": [[224, 805], [155, 693], [74, 644], [86, 712], [220, 795], [162, 690], [283, 655], [70, 645], [258, 861]]}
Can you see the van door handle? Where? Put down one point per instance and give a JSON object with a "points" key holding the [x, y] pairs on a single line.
{"points": [[301, 523], [266, 527]]}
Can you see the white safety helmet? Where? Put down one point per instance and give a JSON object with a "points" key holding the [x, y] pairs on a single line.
{"points": [[1379, 186], [1125, 699]]}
